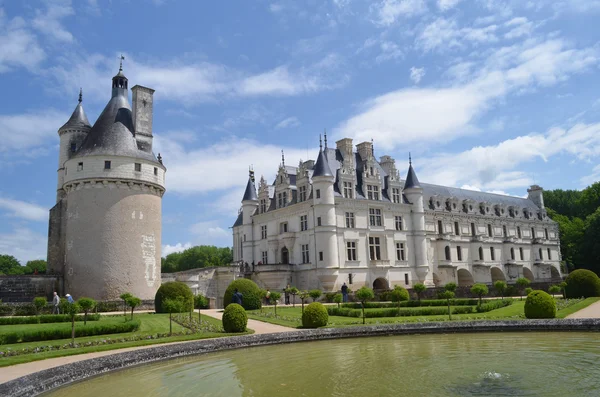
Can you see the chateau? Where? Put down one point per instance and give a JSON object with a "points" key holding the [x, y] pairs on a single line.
{"points": [[350, 218], [104, 234]]}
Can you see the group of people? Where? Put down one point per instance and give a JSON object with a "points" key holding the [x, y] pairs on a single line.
{"points": [[56, 302]]}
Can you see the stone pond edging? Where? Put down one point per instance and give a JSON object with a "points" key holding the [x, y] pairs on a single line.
{"points": [[46, 380]]}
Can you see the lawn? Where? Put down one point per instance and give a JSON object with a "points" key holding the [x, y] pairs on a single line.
{"points": [[292, 317], [151, 325]]}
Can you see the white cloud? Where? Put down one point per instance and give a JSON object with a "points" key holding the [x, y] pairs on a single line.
{"points": [[389, 51], [210, 233], [49, 22], [169, 249], [18, 46], [445, 5], [24, 244], [442, 114], [444, 35], [290, 122], [275, 7], [591, 178], [388, 11], [416, 74], [24, 210], [29, 130], [520, 26]]}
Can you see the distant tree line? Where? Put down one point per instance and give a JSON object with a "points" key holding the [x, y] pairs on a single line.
{"points": [[578, 215], [196, 257], [9, 265]]}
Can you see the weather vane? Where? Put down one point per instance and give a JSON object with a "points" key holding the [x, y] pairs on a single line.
{"points": [[121, 63]]}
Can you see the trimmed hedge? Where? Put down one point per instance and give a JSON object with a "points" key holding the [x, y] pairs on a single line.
{"points": [[423, 303], [174, 290], [540, 304], [582, 283], [235, 318], [65, 333], [426, 311], [46, 318], [315, 315], [251, 295], [493, 305]]}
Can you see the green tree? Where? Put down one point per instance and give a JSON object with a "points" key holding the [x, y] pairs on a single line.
{"points": [[71, 309], [479, 290], [501, 287], [133, 302], [528, 290], [87, 305], [125, 296], [364, 294], [275, 296], [173, 306], [419, 288], [201, 302], [304, 295], [399, 294], [293, 291], [9, 265], [37, 264], [563, 287], [447, 295], [554, 289], [40, 303], [451, 286], [337, 298], [522, 282], [315, 294]]}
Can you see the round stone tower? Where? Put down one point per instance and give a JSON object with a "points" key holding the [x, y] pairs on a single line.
{"points": [[113, 187]]}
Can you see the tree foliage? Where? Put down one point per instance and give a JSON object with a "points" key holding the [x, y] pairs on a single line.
{"points": [[196, 257], [9, 265]]}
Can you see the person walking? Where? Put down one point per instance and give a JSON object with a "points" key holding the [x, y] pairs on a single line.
{"points": [[69, 298], [237, 297], [268, 297], [286, 292], [344, 293], [55, 304]]}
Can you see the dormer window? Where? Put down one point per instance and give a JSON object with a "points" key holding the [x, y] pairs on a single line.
{"points": [[395, 195], [302, 193], [373, 192], [348, 190], [281, 200], [263, 206]]}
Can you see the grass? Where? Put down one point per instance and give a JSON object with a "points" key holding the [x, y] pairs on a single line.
{"points": [[64, 325], [576, 307], [151, 324]]}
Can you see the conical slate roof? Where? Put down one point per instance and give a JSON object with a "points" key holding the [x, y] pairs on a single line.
{"points": [[250, 193], [322, 166], [78, 119], [411, 179]]}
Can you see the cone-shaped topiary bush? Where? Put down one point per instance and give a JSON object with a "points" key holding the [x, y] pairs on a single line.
{"points": [[174, 290], [251, 295], [314, 316], [582, 283], [540, 304], [234, 318]]}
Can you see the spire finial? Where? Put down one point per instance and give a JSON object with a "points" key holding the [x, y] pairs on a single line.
{"points": [[80, 95], [320, 143], [325, 135], [121, 63], [282, 158], [372, 148], [159, 157], [409, 159]]}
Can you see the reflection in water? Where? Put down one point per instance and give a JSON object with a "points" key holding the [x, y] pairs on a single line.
{"points": [[493, 364]]}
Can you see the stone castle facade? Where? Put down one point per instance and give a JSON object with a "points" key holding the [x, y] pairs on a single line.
{"points": [[351, 218], [104, 235]]}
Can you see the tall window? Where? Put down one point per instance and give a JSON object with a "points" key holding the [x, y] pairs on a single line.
{"points": [[281, 199], [305, 257], [351, 250], [549, 254], [400, 252], [138, 167], [318, 193], [318, 221], [373, 192], [541, 254], [406, 278], [321, 256], [519, 231], [480, 253], [350, 220], [521, 253], [375, 217], [263, 231], [395, 195], [264, 257], [472, 229], [504, 231], [490, 230], [374, 249], [512, 254], [546, 234], [283, 227], [302, 193], [459, 253], [398, 221], [492, 253], [447, 252], [456, 229], [348, 190], [440, 227], [532, 233], [303, 222], [263, 206]]}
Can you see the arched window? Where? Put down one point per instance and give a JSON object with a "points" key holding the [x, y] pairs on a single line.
{"points": [[480, 253], [492, 253], [512, 254], [540, 252], [447, 250]]}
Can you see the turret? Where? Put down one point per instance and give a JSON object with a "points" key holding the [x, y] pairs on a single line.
{"points": [[414, 193], [536, 194], [249, 207], [119, 82], [71, 134]]}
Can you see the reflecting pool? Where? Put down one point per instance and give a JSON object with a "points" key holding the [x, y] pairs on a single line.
{"points": [[484, 364]]}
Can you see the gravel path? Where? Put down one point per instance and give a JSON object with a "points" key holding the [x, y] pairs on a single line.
{"points": [[592, 311]]}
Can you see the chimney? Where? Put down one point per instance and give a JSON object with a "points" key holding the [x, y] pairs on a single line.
{"points": [[365, 150], [535, 194], [142, 116]]}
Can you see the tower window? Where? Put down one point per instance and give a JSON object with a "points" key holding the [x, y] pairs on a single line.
{"points": [[318, 221], [318, 193], [155, 170], [138, 167], [321, 255], [107, 165], [80, 167], [73, 146]]}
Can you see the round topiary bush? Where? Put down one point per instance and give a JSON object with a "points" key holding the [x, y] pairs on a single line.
{"points": [[174, 290], [582, 283], [314, 316], [251, 295], [234, 318], [540, 304]]}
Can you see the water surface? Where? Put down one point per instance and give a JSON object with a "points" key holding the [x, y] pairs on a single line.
{"points": [[488, 364]]}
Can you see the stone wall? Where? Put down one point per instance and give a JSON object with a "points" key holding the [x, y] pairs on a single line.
{"points": [[25, 288], [209, 281]]}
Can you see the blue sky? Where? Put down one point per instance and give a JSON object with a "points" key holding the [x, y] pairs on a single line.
{"points": [[486, 94]]}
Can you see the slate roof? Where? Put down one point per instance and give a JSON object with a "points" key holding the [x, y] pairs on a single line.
{"points": [[322, 166], [250, 193], [464, 194], [78, 119], [411, 179]]}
